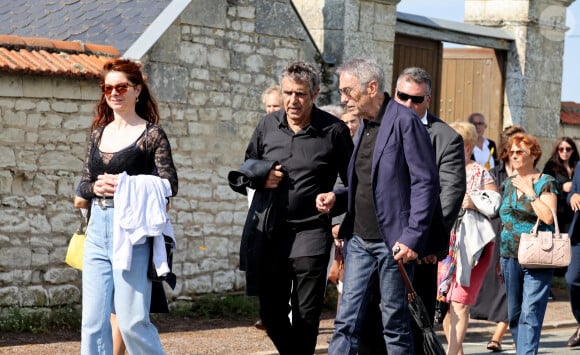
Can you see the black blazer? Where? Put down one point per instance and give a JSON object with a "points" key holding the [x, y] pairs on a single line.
{"points": [[260, 221], [450, 160]]}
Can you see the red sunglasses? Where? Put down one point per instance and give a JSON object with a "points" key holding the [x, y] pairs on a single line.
{"points": [[120, 88]]}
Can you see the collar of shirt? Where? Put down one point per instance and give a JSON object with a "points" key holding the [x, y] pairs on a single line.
{"points": [[379, 117], [424, 119], [313, 126]]}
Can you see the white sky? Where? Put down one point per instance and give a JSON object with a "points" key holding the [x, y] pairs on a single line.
{"points": [[454, 10]]}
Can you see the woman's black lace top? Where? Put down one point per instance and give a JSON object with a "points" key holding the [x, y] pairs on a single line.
{"points": [[149, 154]]}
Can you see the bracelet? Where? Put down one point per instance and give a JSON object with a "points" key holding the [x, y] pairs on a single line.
{"points": [[532, 198]]}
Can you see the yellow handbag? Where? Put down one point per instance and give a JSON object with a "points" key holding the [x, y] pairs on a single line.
{"points": [[76, 245]]}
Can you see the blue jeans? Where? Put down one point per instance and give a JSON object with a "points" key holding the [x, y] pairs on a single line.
{"points": [[573, 281], [130, 291], [362, 259], [527, 293]]}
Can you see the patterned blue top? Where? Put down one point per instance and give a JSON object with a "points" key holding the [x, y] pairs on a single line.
{"points": [[518, 216]]}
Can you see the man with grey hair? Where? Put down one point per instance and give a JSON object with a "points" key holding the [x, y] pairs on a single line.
{"points": [[308, 149], [392, 193]]}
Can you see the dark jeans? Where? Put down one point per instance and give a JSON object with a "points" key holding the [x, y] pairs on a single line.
{"points": [[573, 281], [425, 284], [303, 281], [362, 259]]}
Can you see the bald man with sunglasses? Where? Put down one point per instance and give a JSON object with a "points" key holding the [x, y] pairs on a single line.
{"points": [[414, 91]]}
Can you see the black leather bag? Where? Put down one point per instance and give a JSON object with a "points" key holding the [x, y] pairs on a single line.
{"points": [[151, 272]]}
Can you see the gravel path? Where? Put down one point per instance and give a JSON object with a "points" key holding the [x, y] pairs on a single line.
{"points": [[183, 336]]}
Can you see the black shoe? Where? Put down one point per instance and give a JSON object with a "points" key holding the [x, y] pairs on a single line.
{"points": [[575, 338], [259, 325]]}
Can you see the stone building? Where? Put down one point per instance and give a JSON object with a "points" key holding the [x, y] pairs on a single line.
{"points": [[207, 63]]}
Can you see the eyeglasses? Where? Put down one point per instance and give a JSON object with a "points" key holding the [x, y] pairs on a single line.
{"points": [[120, 88], [565, 149], [518, 153], [346, 92], [414, 99]]}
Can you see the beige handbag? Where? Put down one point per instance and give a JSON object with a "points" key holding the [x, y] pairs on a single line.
{"points": [[544, 249]]}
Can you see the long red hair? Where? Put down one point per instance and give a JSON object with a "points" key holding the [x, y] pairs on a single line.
{"points": [[145, 107]]}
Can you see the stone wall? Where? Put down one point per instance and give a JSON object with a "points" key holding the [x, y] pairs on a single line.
{"points": [[533, 80], [208, 72]]}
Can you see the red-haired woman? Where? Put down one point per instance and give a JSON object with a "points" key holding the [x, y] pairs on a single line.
{"points": [[125, 143], [527, 196]]}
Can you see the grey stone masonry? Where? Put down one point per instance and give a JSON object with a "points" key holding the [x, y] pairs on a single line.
{"points": [[208, 71], [533, 80]]}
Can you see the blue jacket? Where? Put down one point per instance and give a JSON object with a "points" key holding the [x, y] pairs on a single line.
{"points": [[404, 178]]}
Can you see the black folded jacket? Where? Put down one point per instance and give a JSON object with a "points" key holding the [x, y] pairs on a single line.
{"points": [[252, 174]]}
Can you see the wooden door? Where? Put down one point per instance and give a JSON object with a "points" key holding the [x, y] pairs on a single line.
{"points": [[473, 81]]}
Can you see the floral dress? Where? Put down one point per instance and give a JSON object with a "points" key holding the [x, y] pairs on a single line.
{"points": [[477, 177]]}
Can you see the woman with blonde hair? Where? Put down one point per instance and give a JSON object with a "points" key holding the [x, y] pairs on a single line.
{"points": [[471, 244]]}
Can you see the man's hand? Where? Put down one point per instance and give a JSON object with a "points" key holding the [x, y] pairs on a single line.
{"points": [[274, 177], [335, 229], [325, 202], [575, 202], [401, 251]]}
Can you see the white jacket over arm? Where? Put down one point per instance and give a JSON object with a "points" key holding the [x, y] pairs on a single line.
{"points": [[140, 212]]}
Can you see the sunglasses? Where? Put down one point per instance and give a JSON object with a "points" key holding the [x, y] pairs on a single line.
{"points": [[518, 153], [565, 149], [414, 99], [120, 88]]}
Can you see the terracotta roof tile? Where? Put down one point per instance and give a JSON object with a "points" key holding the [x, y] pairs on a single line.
{"points": [[44, 56], [570, 113]]}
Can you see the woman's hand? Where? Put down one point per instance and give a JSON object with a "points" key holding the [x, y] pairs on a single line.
{"points": [[567, 186], [524, 184], [468, 203], [105, 185]]}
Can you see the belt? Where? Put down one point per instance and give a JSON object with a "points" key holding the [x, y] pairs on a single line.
{"points": [[104, 202]]}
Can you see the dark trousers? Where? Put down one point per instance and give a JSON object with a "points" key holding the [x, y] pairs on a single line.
{"points": [[573, 281], [303, 281], [425, 284]]}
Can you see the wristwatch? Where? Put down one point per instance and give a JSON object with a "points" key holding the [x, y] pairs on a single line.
{"points": [[533, 198]]}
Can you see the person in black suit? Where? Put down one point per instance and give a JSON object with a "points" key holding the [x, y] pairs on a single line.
{"points": [[485, 151], [414, 91]]}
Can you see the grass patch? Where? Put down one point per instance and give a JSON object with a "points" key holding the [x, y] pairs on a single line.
{"points": [[39, 320], [212, 306], [221, 306]]}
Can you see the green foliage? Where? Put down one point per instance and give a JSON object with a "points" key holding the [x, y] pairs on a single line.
{"points": [[331, 297], [39, 320], [559, 282], [224, 307]]}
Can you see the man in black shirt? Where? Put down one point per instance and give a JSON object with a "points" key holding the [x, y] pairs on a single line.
{"points": [[392, 193], [312, 148]]}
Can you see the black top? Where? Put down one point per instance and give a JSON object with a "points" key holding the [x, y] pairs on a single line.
{"points": [[312, 159], [564, 211], [365, 224], [149, 154]]}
